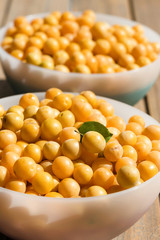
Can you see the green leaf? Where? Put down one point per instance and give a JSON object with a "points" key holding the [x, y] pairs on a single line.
{"points": [[97, 127]]}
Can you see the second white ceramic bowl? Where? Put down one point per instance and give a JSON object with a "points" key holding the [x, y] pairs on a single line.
{"points": [[127, 86]]}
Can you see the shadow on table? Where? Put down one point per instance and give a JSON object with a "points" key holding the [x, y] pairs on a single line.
{"points": [[3, 237], [5, 90]]}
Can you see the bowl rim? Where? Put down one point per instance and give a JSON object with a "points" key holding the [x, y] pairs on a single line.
{"points": [[74, 74], [84, 199]]}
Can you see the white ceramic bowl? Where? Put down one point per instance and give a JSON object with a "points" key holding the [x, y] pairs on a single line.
{"points": [[26, 217], [127, 86]]}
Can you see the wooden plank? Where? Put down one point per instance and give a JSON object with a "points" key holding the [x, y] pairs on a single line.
{"points": [[147, 12], [141, 105], [5, 89], [32, 7], [153, 98], [4, 6], [115, 7], [4, 10]]}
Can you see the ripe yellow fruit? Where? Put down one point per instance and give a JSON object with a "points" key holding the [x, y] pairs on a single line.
{"points": [[94, 191], [2, 111], [93, 142], [146, 140], [102, 163], [50, 129], [137, 119], [33, 151], [25, 168], [52, 92], [13, 148], [47, 166], [127, 138], [66, 118], [134, 127], [97, 117], [41, 143], [154, 156], [152, 132], [72, 149], [4, 176], [142, 150], [51, 46], [113, 151], [69, 133], [105, 108], [81, 110], [43, 183], [51, 150], [88, 157], [68, 187], [116, 122], [83, 174], [147, 170], [103, 177], [124, 161], [30, 132], [30, 111], [62, 102], [7, 137], [62, 167], [28, 99], [128, 176], [8, 161], [156, 145], [17, 185], [54, 195], [130, 152], [46, 112]]}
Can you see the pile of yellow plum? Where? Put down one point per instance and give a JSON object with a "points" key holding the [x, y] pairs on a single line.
{"points": [[44, 153], [64, 42]]}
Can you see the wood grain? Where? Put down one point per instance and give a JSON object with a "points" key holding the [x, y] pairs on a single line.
{"points": [[4, 6], [5, 89], [141, 105], [115, 7], [28, 7]]}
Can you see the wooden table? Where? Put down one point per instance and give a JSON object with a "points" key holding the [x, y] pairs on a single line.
{"points": [[144, 11]]}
